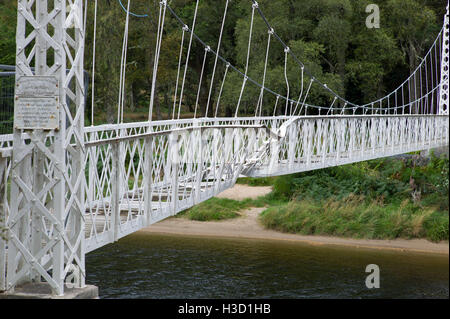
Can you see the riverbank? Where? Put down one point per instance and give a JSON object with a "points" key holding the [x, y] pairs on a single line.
{"points": [[248, 226]]}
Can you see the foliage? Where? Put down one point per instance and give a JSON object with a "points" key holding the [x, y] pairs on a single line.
{"points": [[386, 198], [354, 216], [2, 229], [224, 208], [256, 181], [387, 180], [328, 36], [215, 209], [8, 18], [373, 199]]}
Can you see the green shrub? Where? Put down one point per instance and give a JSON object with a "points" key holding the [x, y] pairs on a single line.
{"points": [[355, 217], [436, 226], [215, 209], [256, 181], [283, 187]]}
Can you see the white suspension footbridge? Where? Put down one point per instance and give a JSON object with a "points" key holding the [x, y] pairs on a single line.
{"points": [[67, 189]]}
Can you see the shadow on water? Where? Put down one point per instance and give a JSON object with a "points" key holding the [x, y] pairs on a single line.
{"points": [[168, 266]]}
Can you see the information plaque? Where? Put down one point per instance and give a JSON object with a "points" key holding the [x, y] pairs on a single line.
{"points": [[36, 103]]}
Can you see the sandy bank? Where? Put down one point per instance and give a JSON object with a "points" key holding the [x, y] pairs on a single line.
{"points": [[248, 226], [241, 192]]}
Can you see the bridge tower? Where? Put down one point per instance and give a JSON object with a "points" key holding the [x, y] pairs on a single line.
{"points": [[46, 230], [443, 93]]}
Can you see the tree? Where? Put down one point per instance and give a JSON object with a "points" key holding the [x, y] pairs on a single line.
{"points": [[8, 18], [328, 36], [373, 60], [414, 26], [333, 31]]}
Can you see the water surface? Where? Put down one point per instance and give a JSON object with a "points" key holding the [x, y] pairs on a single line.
{"points": [[170, 266]]}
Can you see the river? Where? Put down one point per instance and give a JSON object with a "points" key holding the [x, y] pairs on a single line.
{"points": [[146, 265]]}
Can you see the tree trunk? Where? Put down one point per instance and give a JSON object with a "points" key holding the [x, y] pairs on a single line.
{"points": [[156, 105], [166, 99], [412, 85], [132, 107]]}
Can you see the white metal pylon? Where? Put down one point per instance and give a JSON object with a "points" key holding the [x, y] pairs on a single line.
{"points": [[443, 93], [45, 226]]}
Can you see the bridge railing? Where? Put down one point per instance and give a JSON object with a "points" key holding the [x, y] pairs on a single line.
{"points": [[138, 179], [314, 142], [138, 174]]}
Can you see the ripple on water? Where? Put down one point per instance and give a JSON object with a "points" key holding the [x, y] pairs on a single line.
{"points": [[164, 266]]}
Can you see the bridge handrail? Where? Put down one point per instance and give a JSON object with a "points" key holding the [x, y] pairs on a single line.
{"points": [[5, 138], [168, 132], [96, 128], [274, 134]]}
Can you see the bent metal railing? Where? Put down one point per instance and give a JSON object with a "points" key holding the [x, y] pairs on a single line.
{"points": [[137, 174]]}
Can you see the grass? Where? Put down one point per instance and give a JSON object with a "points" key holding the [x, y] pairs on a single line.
{"points": [[256, 181], [224, 208], [355, 217], [215, 209], [380, 199]]}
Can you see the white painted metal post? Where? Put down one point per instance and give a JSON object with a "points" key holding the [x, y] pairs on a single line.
{"points": [[319, 139], [174, 162], [351, 147], [115, 194], [215, 157], [38, 157], [54, 128], [36, 229], [92, 169], [198, 136], [340, 138], [226, 138], [445, 64], [394, 132], [309, 124], [326, 134], [242, 156], [373, 131], [122, 153], [3, 217], [292, 138], [148, 179]]}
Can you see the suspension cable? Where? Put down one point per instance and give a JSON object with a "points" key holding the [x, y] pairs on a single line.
{"points": [[306, 95], [230, 65], [301, 93], [286, 51], [293, 55], [132, 13], [188, 53], [159, 35], [215, 61], [93, 63], [275, 107], [261, 94], [248, 57], [221, 88], [178, 72], [200, 81], [123, 68], [246, 78]]}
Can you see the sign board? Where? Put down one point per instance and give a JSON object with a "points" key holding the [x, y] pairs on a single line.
{"points": [[36, 103]]}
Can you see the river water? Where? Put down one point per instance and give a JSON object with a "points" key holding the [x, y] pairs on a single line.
{"points": [[169, 266]]}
